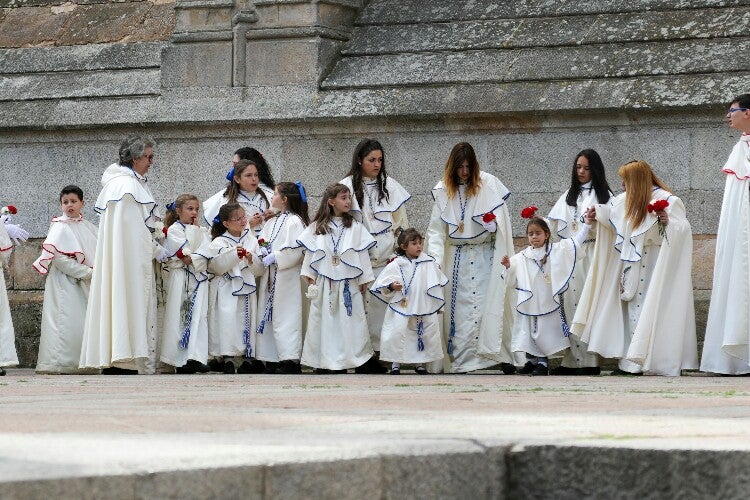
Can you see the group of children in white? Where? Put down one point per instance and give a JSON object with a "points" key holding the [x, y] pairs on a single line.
{"points": [[265, 289]]}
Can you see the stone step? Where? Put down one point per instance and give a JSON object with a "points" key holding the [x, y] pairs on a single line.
{"points": [[542, 64], [420, 11], [549, 32]]}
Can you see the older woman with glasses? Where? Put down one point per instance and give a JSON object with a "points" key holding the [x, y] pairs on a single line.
{"points": [[120, 332]]}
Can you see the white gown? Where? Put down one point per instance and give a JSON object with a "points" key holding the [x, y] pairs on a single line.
{"points": [[120, 327], [252, 203], [475, 295], [67, 260], [411, 330], [381, 218], [186, 297], [726, 348], [637, 303], [279, 337], [564, 221], [232, 302], [337, 336], [8, 355]]}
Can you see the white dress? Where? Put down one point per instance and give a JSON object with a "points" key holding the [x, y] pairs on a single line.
{"points": [[726, 348], [474, 327], [637, 303], [185, 332], [279, 332], [232, 302], [120, 327], [381, 218], [67, 259], [8, 355], [411, 330], [337, 336], [252, 203], [564, 222]]}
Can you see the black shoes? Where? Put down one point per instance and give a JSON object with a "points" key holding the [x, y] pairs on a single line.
{"points": [[113, 370], [371, 366], [539, 369], [508, 368], [421, 370], [621, 373], [288, 367], [192, 366], [527, 368], [395, 371], [251, 366], [2, 372], [325, 371], [228, 367], [590, 370], [216, 365], [566, 370]]}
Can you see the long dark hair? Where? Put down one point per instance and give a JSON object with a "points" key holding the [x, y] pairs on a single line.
{"points": [[264, 170], [325, 212], [463, 151], [405, 237], [538, 221], [294, 202], [364, 148], [598, 179], [225, 212], [233, 187]]}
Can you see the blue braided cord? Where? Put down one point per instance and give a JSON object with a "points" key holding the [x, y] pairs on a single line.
{"points": [[268, 313], [188, 321], [563, 319], [246, 332], [420, 332], [454, 294], [347, 298]]}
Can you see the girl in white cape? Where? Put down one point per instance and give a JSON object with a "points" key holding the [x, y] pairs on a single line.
{"points": [[411, 285], [185, 331], [540, 274], [9, 233], [469, 233], [378, 203], [250, 184], [67, 260], [588, 186], [637, 304], [232, 304], [337, 268], [279, 332]]}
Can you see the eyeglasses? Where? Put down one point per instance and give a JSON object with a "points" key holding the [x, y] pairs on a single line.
{"points": [[240, 219], [149, 157], [732, 110]]}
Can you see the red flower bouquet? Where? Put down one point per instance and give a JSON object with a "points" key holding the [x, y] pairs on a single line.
{"points": [[9, 210], [488, 217], [262, 242], [658, 206], [528, 212]]}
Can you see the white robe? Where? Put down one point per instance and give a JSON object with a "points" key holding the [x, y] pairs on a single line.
{"points": [[537, 324], [381, 218], [186, 296], [67, 260], [120, 325], [564, 221], [8, 355], [232, 303], [253, 204], [726, 348], [637, 303], [482, 334], [279, 337], [336, 338], [403, 339]]}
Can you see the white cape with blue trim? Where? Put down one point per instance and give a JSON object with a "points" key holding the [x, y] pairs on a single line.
{"points": [[8, 355]]}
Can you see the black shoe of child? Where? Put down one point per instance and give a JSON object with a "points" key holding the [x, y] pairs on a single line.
{"points": [[325, 371], [271, 368], [228, 367], [564, 370], [371, 366], [188, 369], [421, 370], [508, 368], [619, 372], [113, 370], [590, 370], [2, 372], [527, 368], [540, 369], [216, 365], [395, 371], [289, 367]]}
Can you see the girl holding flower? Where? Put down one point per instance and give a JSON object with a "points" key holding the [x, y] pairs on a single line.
{"points": [[638, 303]]}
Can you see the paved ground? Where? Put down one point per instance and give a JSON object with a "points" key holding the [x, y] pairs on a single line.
{"points": [[75, 426]]}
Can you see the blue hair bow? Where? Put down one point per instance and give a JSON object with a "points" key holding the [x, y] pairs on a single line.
{"points": [[302, 192], [171, 206], [230, 174], [217, 220]]}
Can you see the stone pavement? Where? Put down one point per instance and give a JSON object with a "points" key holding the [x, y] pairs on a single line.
{"points": [[352, 436]]}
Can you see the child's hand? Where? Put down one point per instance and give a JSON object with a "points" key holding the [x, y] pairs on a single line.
{"points": [[271, 213], [396, 286], [241, 252], [256, 220], [186, 260], [309, 280], [662, 217], [590, 215], [505, 261]]}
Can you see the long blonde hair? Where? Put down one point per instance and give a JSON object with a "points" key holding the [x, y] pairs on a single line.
{"points": [[461, 152], [639, 181]]}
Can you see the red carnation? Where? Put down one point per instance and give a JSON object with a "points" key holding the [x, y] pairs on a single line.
{"points": [[658, 206], [528, 212], [180, 254], [164, 230], [13, 210], [488, 217], [241, 252], [262, 242]]}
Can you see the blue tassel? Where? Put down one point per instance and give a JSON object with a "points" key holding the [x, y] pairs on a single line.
{"points": [[563, 319], [246, 332], [186, 332], [420, 332], [450, 346], [261, 326], [347, 298]]}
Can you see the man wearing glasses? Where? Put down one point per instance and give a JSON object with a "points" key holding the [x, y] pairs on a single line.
{"points": [[726, 349]]}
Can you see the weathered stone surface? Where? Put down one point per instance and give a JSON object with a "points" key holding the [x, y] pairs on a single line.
{"points": [[197, 65], [81, 58], [288, 480], [26, 313]]}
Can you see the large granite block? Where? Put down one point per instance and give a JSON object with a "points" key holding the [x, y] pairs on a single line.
{"points": [[357, 477], [206, 64], [88, 84]]}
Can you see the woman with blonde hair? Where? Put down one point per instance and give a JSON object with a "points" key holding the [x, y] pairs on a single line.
{"points": [[637, 304]]}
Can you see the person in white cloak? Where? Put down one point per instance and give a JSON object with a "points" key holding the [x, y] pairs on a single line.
{"points": [[252, 189], [637, 304], [185, 332], [412, 287], [120, 333], [9, 234], [378, 203], [279, 332], [588, 186], [468, 234], [726, 348], [539, 275], [67, 260], [337, 268], [232, 303]]}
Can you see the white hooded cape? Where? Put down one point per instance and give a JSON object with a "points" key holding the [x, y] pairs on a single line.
{"points": [[8, 355]]}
